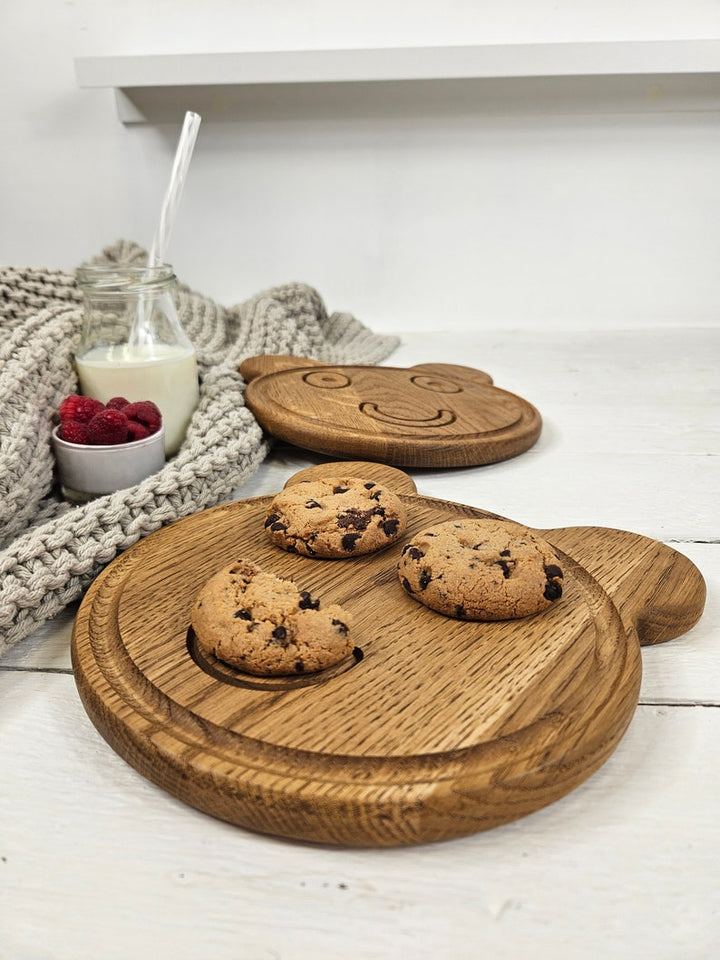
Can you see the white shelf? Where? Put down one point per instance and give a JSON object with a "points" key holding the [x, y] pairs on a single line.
{"points": [[401, 63], [590, 59]]}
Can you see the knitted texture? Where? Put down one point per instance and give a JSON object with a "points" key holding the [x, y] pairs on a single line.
{"points": [[51, 550]]}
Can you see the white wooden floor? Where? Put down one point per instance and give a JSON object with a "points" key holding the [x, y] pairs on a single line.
{"points": [[95, 862]]}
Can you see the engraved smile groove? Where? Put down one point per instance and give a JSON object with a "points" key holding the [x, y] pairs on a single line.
{"points": [[440, 418]]}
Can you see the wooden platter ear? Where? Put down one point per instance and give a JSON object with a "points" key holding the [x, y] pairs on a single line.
{"points": [[433, 729], [659, 593], [429, 415]]}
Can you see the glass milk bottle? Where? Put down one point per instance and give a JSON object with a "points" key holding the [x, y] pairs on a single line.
{"points": [[133, 345]]}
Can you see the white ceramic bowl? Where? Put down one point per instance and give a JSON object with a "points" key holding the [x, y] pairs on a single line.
{"points": [[87, 471]]}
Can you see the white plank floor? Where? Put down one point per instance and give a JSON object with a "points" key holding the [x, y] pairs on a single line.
{"points": [[97, 862]]}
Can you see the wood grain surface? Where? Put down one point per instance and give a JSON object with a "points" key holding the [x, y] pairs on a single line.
{"points": [[430, 415], [435, 728]]}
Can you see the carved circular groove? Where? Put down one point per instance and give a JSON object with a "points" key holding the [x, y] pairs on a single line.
{"points": [[436, 384], [235, 678], [327, 379]]}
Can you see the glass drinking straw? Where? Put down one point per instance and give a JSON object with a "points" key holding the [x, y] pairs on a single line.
{"points": [[178, 175], [168, 212]]}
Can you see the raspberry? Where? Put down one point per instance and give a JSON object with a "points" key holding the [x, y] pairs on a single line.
{"points": [[108, 427], [136, 431], [80, 409], [73, 431], [146, 413], [117, 403]]}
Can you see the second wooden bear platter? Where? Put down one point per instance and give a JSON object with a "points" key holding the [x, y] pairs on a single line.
{"points": [[433, 728], [432, 415]]}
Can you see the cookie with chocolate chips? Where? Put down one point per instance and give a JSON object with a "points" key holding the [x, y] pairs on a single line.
{"points": [[266, 626], [477, 569], [337, 517]]}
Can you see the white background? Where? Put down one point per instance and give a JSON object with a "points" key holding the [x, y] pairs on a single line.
{"points": [[421, 206], [568, 246]]}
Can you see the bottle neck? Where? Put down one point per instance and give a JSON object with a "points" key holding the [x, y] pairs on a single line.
{"points": [[112, 280], [129, 305]]}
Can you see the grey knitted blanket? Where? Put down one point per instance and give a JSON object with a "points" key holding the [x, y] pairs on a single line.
{"points": [[51, 550]]}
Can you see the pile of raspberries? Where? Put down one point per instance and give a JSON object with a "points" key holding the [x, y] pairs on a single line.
{"points": [[87, 421]]}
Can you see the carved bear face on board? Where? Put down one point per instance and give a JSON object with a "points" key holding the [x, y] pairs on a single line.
{"points": [[431, 415]]}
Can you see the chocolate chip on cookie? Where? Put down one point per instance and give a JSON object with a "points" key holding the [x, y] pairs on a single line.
{"points": [[477, 569], [335, 517], [266, 626]]}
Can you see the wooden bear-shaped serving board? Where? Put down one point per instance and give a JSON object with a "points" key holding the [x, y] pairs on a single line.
{"points": [[434, 728], [433, 415]]}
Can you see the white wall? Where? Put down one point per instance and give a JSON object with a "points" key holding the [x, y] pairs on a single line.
{"points": [[428, 205]]}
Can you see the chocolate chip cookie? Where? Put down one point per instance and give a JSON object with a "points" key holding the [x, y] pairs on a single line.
{"points": [[477, 569], [266, 626], [335, 517]]}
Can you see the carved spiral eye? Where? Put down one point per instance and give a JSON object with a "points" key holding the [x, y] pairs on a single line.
{"points": [[327, 379], [435, 384]]}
